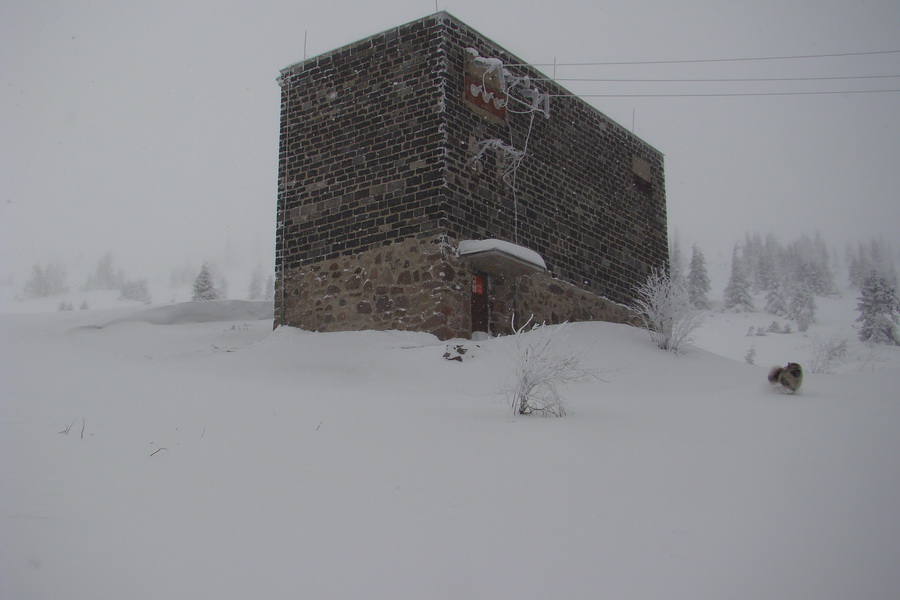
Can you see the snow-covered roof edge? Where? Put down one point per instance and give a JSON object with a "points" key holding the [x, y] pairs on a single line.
{"points": [[522, 253]]}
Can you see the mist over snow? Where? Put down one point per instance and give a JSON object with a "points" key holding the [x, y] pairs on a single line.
{"points": [[150, 130], [156, 447], [187, 450]]}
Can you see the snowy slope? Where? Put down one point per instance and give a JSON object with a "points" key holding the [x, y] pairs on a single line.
{"points": [[210, 457]]}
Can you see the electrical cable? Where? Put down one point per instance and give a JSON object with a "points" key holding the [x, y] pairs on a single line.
{"points": [[723, 94], [716, 80], [705, 60]]}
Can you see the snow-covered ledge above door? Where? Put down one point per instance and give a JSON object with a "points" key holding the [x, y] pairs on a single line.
{"points": [[501, 257]]}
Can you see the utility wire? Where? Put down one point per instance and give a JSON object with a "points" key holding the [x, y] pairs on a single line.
{"points": [[712, 95], [706, 60], [715, 80]]}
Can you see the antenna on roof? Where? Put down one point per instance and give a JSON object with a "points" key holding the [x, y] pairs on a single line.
{"points": [[304, 44]]}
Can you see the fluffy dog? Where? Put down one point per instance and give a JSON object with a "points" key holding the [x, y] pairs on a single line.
{"points": [[788, 377]]}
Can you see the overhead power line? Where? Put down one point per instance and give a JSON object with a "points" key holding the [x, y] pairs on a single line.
{"points": [[713, 80], [703, 60], [722, 94], [718, 80]]}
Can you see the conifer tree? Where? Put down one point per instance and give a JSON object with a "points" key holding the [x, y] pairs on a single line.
{"points": [[879, 310], [204, 287], [105, 277], [857, 268], [802, 305], [766, 277], [698, 280], [776, 299], [135, 290], [46, 281], [737, 292], [255, 289]]}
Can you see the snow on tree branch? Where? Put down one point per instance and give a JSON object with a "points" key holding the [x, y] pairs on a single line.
{"points": [[664, 309]]}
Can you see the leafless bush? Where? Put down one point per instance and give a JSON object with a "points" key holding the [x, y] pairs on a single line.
{"points": [[665, 311], [827, 355], [543, 367]]}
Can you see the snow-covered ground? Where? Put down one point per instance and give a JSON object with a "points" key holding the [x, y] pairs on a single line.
{"points": [[191, 452]]}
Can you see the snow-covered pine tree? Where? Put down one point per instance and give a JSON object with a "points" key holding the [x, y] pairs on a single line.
{"points": [[105, 277], [36, 286], [135, 290], [204, 287], [221, 287], [879, 310], [255, 289], [802, 305], [773, 252], [766, 277], [876, 255], [857, 266], [698, 280], [46, 281], [269, 294], [753, 252], [777, 300], [737, 292], [807, 260]]}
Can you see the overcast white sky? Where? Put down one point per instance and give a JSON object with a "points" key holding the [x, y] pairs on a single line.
{"points": [[150, 128]]}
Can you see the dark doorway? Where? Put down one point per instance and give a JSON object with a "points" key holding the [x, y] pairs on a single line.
{"points": [[480, 303]]}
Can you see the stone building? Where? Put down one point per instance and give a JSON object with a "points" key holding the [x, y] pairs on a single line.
{"points": [[431, 181]]}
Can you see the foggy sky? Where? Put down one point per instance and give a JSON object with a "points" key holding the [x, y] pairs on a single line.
{"points": [[150, 129]]}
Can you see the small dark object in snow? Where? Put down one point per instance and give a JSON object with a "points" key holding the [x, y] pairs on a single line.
{"points": [[789, 377], [457, 352]]}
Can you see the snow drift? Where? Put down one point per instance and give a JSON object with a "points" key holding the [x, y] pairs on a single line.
{"points": [[219, 459]]}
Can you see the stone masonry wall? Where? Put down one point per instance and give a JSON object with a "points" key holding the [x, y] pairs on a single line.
{"points": [[422, 285], [383, 170], [361, 147], [544, 299], [588, 196], [411, 285]]}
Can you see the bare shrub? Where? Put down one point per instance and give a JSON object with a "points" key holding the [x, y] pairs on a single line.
{"points": [[543, 367], [827, 355], [665, 311]]}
